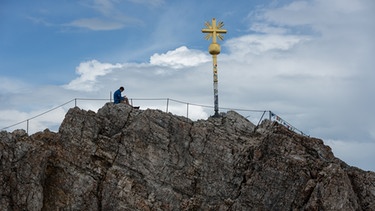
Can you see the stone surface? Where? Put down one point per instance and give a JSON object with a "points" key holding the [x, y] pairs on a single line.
{"points": [[122, 158]]}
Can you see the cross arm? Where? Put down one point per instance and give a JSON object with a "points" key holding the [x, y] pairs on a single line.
{"points": [[220, 31]]}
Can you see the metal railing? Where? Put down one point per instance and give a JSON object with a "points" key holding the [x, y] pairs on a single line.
{"points": [[261, 114]]}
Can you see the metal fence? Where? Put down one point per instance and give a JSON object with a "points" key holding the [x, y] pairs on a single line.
{"points": [[174, 106]]}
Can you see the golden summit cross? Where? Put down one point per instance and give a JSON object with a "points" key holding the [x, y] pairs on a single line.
{"points": [[213, 31]]}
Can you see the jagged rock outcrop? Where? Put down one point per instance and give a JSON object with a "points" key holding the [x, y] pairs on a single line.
{"points": [[121, 158]]}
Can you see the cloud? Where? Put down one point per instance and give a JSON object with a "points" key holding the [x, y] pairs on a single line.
{"points": [[109, 18], [96, 24], [319, 76], [26, 120], [94, 75], [267, 29], [261, 44], [153, 3], [355, 153], [11, 85], [12, 91], [88, 73], [320, 16], [179, 58], [103, 6], [38, 20]]}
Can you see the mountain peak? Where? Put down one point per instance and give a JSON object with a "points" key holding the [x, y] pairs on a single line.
{"points": [[122, 158]]}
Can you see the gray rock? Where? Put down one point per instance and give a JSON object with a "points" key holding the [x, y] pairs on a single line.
{"points": [[122, 158]]}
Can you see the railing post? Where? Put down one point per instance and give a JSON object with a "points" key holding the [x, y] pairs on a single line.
{"points": [[261, 118], [270, 115], [110, 96], [187, 110], [167, 105], [75, 102], [27, 126]]}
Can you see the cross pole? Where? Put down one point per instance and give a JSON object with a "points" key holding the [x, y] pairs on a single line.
{"points": [[214, 31]]}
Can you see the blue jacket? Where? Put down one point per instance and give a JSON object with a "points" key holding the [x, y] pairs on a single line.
{"points": [[117, 96]]}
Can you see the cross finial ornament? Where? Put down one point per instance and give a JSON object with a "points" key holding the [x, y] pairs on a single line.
{"points": [[214, 30]]}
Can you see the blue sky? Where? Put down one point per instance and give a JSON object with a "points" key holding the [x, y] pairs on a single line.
{"points": [[309, 61], [53, 37]]}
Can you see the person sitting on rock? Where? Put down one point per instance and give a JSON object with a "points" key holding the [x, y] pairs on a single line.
{"points": [[118, 98], [121, 99]]}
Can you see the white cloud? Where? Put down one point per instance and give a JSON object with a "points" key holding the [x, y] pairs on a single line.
{"points": [[260, 44], [109, 17], [149, 2], [89, 72], [96, 24], [321, 16], [354, 153], [179, 58], [26, 120], [104, 6], [267, 29], [11, 85]]}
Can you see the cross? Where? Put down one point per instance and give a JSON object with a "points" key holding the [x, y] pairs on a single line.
{"points": [[214, 30]]}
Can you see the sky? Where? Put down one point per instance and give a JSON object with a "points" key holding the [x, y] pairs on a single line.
{"points": [[311, 62]]}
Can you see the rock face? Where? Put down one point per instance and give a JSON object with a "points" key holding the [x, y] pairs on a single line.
{"points": [[125, 159]]}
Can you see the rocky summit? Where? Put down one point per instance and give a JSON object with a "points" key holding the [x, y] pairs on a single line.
{"points": [[122, 158]]}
